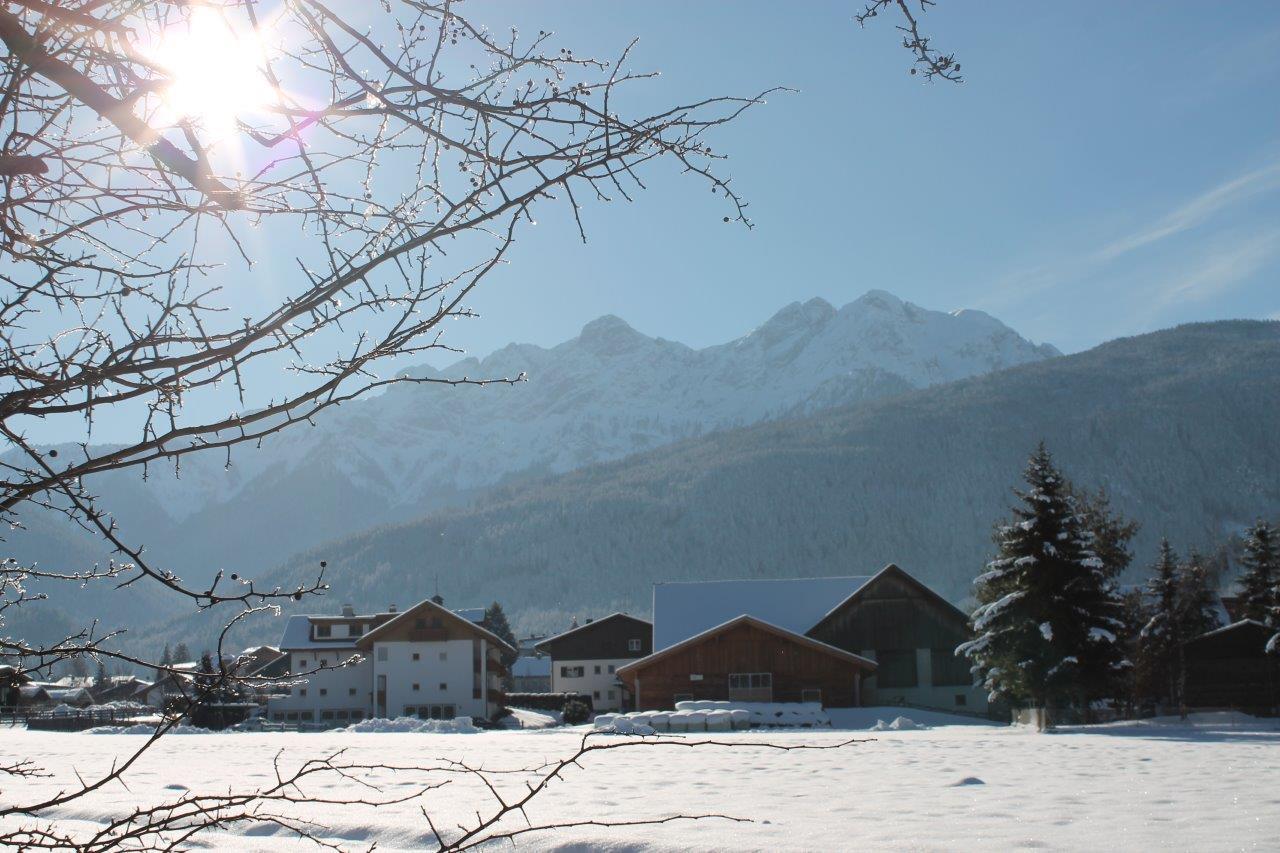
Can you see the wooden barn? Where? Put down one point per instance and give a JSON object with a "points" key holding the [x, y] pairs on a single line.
{"points": [[1230, 668], [911, 633], [749, 660]]}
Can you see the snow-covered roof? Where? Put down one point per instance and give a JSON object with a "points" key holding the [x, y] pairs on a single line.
{"points": [[686, 608], [471, 614], [1234, 626], [527, 666]]}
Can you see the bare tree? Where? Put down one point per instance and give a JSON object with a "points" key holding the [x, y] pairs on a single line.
{"points": [[158, 155]]}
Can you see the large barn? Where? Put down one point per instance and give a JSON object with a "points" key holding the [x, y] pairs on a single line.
{"points": [[747, 660], [729, 639]]}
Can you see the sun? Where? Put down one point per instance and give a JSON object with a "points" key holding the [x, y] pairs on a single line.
{"points": [[214, 73]]}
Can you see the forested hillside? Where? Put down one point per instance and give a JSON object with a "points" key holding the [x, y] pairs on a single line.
{"points": [[1179, 425]]}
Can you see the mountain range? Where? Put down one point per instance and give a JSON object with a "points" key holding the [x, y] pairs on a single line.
{"points": [[603, 395], [1179, 426]]}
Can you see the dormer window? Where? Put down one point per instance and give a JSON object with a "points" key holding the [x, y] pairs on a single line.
{"points": [[324, 630]]}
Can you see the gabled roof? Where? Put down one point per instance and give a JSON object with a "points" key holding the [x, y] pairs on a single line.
{"points": [[746, 619], [684, 609], [891, 570], [424, 607], [1241, 624], [542, 645]]}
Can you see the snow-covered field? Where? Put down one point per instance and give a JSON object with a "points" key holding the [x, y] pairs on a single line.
{"points": [[1212, 785]]}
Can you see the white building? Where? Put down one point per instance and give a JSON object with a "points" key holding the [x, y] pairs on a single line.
{"points": [[585, 659], [428, 662]]}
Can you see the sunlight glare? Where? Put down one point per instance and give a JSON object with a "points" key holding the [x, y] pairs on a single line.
{"points": [[215, 74]]}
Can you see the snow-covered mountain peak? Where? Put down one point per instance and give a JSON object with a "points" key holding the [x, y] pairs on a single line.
{"points": [[612, 391]]}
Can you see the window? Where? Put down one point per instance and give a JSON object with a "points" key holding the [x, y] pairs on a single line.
{"points": [[897, 668], [611, 669], [382, 653], [633, 645], [307, 715], [302, 691], [750, 680], [326, 715], [448, 712], [811, 694], [324, 630], [351, 691], [357, 715], [278, 717], [444, 656], [324, 661], [595, 694], [410, 711], [324, 691], [436, 712], [292, 715], [355, 630], [302, 664], [948, 670], [572, 672], [415, 688], [443, 686], [597, 669], [961, 700], [417, 656]]}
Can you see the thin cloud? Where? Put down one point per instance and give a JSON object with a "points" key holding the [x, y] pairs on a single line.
{"points": [[1197, 211], [1221, 268]]}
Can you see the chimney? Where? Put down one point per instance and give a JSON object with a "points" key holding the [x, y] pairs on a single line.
{"points": [[438, 598], [391, 608], [348, 611]]}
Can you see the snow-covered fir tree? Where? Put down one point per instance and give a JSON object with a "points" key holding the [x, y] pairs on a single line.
{"points": [[1160, 640], [1260, 583], [1047, 623], [496, 621]]}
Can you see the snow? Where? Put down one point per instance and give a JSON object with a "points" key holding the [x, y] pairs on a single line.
{"points": [[525, 718], [899, 724], [687, 608], [1209, 784], [145, 729], [412, 725]]}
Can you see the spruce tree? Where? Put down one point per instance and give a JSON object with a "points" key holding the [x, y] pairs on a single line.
{"points": [[1261, 578], [1161, 638], [181, 654], [496, 621], [1048, 616]]}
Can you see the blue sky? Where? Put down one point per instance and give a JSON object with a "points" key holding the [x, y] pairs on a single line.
{"points": [[1106, 169]]}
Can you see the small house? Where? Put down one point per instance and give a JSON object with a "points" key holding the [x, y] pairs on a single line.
{"points": [[1229, 668], [586, 658]]}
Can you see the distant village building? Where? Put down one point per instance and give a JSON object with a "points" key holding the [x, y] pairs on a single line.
{"points": [[427, 661], [899, 638], [586, 659]]}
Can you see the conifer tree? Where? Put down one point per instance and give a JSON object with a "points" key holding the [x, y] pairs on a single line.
{"points": [[1048, 616], [1261, 578], [496, 621], [100, 676], [181, 654], [166, 659], [1161, 638]]}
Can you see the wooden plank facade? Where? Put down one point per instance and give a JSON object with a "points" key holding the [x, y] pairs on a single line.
{"points": [[731, 662], [1230, 668], [912, 633]]}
